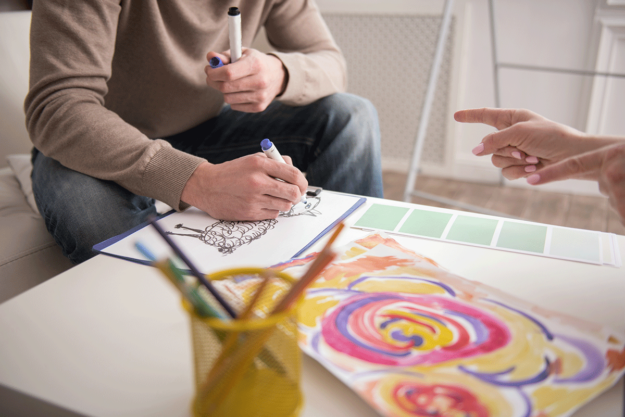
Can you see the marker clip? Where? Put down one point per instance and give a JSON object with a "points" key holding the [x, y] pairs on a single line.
{"points": [[313, 191]]}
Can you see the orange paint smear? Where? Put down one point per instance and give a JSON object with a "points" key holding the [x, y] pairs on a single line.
{"points": [[372, 241], [616, 359], [363, 265]]}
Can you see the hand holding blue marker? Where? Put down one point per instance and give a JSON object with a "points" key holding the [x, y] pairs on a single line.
{"points": [[215, 62], [272, 153]]}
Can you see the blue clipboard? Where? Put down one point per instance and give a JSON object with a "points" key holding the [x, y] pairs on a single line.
{"points": [[100, 247]]}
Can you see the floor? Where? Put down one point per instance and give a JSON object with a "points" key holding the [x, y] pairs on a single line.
{"points": [[584, 212]]}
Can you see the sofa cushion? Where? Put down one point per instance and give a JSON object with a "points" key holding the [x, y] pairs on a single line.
{"points": [[22, 168], [28, 254]]}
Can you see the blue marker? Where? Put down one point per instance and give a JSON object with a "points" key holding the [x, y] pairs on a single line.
{"points": [[272, 153], [215, 62]]}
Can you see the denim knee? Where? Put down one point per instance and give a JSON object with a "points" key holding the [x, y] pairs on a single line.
{"points": [[348, 159], [80, 211], [356, 118]]}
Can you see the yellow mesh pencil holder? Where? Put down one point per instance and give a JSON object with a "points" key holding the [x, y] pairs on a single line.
{"points": [[248, 367]]}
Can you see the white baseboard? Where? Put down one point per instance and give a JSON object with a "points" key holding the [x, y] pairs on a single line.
{"points": [[578, 187], [473, 172]]}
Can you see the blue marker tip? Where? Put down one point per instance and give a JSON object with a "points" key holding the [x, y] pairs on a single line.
{"points": [[266, 144], [215, 62]]}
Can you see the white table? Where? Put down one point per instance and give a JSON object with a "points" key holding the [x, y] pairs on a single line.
{"points": [[109, 337]]}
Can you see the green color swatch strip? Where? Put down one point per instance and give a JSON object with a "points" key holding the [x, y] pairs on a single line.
{"points": [[575, 244], [426, 223], [382, 217], [475, 230], [522, 236]]}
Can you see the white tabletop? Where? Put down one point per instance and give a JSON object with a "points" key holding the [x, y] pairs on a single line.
{"points": [[110, 338]]}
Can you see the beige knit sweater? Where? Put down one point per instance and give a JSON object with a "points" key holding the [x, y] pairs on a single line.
{"points": [[110, 77]]}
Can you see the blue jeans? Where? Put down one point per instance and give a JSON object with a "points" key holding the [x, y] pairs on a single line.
{"points": [[335, 140]]}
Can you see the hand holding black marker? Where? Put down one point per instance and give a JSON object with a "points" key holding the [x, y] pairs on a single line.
{"points": [[234, 35], [272, 153]]}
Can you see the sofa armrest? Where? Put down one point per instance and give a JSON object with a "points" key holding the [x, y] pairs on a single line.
{"points": [[28, 254]]}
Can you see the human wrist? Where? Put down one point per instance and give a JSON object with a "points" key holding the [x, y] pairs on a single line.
{"points": [[583, 142], [600, 141], [195, 185], [283, 74]]}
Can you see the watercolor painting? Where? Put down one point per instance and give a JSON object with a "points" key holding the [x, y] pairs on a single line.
{"points": [[413, 339]]}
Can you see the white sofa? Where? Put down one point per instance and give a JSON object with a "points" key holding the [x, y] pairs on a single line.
{"points": [[28, 254]]}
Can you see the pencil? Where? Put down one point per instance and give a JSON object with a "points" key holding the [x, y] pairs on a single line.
{"points": [[194, 271], [323, 259], [211, 398], [176, 277], [244, 356]]}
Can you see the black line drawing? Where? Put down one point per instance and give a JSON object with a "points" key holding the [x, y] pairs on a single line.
{"points": [[228, 236], [310, 209]]}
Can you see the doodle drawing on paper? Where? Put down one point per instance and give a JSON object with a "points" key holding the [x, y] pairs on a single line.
{"points": [[228, 236], [309, 209]]}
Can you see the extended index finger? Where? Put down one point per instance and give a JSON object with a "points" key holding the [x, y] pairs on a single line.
{"points": [[498, 118], [572, 167], [489, 116]]}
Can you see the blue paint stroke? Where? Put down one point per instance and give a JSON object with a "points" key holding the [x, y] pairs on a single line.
{"points": [[595, 363], [385, 372], [547, 333], [307, 257], [399, 335], [495, 380], [447, 288], [387, 322], [342, 320], [528, 403], [481, 332], [315, 342]]}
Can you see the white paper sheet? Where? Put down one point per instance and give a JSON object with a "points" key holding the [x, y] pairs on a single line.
{"points": [[214, 245]]}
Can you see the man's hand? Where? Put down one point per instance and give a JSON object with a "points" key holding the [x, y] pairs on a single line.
{"points": [[245, 188], [607, 165], [250, 84], [526, 141]]}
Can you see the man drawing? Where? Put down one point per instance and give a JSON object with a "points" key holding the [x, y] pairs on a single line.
{"points": [[122, 109]]}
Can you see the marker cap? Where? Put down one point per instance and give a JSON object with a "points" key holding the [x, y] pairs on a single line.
{"points": [[266, 144], [215, 62]]}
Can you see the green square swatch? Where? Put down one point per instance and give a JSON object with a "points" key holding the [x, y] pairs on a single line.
{"points": [[575, 244], [426, 223], [382, 217], [522, 236], [475, 230]]}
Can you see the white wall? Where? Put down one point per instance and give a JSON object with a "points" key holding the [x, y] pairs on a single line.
{"points": [[14, 53], [572, 34]]}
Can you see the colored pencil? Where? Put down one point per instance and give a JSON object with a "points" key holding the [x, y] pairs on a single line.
{"points": [[212, 399], [194, 271], [323, 259], [176, 277], [244, 356]]}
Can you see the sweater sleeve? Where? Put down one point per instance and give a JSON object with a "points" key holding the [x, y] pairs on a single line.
{"points": [[315, 65], [72, 45]]}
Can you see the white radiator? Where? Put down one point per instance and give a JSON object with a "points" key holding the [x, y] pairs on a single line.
{"points": [[388, 60]]}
